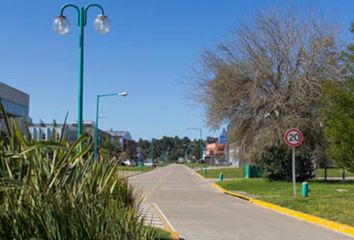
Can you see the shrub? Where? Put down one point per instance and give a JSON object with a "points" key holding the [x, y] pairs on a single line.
{"points": [[276, 163], [53, 190]]}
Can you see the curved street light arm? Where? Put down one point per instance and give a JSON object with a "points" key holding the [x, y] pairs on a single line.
{"points": [[107, 95], [90, 6], [79, 13], [72, 6], [94, 5]]}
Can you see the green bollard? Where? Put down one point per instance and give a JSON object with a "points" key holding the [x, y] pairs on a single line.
{"points": [[205, 171], [221, 177], [305, 189]]}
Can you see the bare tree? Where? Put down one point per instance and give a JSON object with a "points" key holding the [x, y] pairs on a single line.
{"points": [[267, 77]]}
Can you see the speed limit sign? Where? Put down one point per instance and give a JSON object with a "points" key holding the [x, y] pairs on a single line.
{"points": [[293, 137]]}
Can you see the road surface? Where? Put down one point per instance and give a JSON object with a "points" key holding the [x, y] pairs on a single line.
{"points": [[199, 212]]}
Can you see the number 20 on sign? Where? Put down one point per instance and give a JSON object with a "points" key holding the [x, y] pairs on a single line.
{"points": [[293, 137]]}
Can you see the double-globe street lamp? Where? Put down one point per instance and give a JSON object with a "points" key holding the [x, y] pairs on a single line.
{"points": [[201, 144], [62, 26], [122, 94]]}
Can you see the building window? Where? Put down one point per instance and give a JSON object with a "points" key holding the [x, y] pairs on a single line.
{"points": [[14, 109]]}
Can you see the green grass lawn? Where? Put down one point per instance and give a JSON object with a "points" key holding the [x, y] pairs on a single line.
{"points": [[333, 172], [228, 173], [333, 200], [163, 235], [196, 165], [237, 172]]}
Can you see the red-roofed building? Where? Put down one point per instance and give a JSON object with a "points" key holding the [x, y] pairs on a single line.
{"points": [[214, 151]]}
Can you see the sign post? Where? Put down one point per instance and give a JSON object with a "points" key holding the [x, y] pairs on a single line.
{"points": [[294, 173], [293, 137]]}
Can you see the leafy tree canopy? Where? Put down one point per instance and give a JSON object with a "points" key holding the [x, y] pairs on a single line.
{"points": [[338, 115]]}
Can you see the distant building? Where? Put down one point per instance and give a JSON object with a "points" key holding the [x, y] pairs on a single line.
{"points": [[119, 137], [51, 131], [16, 105], [124, 139], [47, 131], [215, 149], [15, 102], [90, 128], [235, 155]]}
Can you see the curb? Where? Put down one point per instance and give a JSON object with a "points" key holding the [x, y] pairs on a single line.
{"points": [[338, 227], [141, 172], [135, 174], [168, 226]]}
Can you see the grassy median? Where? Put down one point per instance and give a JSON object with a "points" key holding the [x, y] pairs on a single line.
{"points": [[228, 172], [237, 173], [333, 200]]}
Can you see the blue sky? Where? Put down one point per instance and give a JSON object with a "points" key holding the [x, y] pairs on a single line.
{"points": [[149, 53]]}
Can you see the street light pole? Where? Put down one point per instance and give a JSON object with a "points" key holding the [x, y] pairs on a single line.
{"points": [[200, 145], [61, 26], [96, 128], [81, 72], [123, 94]]}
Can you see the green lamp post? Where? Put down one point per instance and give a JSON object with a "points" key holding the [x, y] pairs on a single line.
{"points": [[201, 145], [123, 94], [62, 26]]}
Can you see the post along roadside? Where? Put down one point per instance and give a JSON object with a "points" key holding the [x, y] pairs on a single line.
{"points": [[293, 137]]}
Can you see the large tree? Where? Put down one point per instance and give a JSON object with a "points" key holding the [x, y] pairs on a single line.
{"points": [[338, 115], [267, 77]]}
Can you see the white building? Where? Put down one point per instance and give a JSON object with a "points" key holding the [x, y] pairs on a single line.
{"points": [[234, 153], [48, 131]]}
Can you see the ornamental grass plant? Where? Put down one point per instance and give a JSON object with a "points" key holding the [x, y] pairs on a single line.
{"points": [[55, 190]]}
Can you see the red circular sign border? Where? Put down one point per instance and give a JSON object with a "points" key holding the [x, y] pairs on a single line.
{"points": [[300, 134]]}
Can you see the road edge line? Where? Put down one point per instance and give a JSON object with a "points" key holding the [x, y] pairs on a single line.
{"points": [[141, 172], [168, 226], [202, 177], [335, 226]]}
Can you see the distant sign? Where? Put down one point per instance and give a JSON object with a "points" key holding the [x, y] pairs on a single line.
{"points": [[222, 138], [293, 137]]}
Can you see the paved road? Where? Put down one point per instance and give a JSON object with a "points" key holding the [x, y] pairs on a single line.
{"points": [[198, 211]]}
